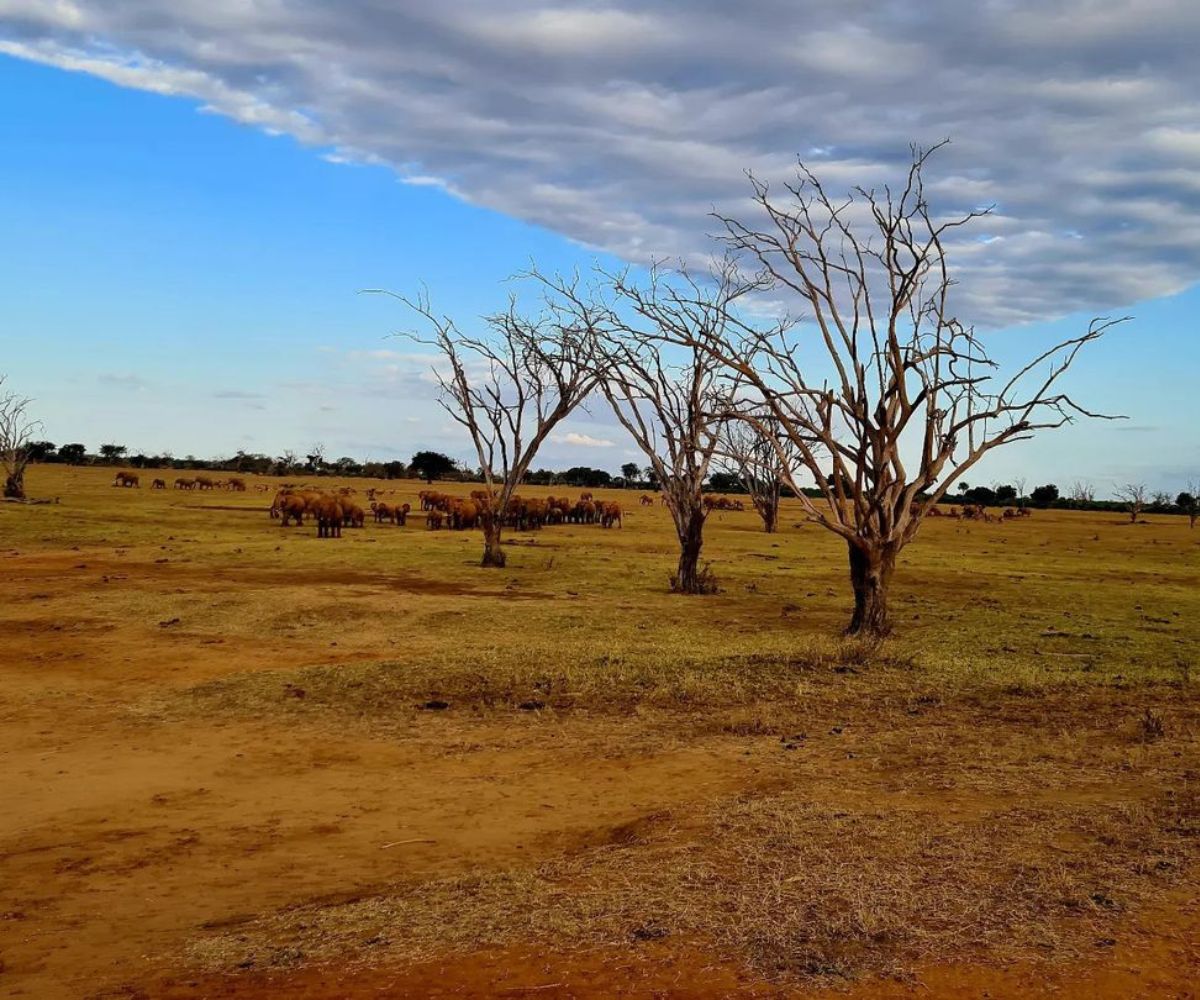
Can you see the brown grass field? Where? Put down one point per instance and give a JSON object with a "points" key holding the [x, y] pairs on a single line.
{"points": [[220, 777]]}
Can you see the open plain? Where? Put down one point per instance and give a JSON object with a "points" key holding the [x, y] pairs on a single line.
{"points": [[237, 760]]}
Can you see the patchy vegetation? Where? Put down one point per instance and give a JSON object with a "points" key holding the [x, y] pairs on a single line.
{"points": [[238, 751]]}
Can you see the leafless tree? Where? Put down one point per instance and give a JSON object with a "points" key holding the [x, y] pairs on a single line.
{"points": [[316, 457], [508, 387], [761, 462], [16, 432], [1019, 482], [665, 388], [1189, 502], [1134, 496], [886, 397], [1082, 491]]}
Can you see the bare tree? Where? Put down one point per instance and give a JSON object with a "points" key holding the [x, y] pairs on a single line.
{"points": [[1189, 502], [1019, 482], [508, 387], [16, 433], [1082, 491], [903, 399], [666, 388], [316, 457], [761, 462], [1134, 496]]}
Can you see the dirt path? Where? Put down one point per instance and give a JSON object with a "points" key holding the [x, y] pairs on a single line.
{"points": [[130, 840]]}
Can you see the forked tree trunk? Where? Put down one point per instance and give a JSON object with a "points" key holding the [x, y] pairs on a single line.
{"points": [[493, 554], [690, 528], [14, 486], [871, 571]]}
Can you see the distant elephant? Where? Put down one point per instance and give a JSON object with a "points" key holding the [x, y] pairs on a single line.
{"points": [[127, 479]]}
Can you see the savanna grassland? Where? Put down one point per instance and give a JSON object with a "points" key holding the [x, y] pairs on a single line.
{"points": [[242, 761]]}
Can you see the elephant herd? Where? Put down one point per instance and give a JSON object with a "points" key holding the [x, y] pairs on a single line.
{"points": [[205, 483], [330, 511], [234, 483], [976, 512], [523, 513]]}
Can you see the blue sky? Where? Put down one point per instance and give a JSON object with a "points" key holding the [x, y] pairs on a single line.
{"points": [[174, 277], [174, 280]]}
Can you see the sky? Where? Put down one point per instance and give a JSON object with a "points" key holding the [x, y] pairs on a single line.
{"points": [[195, 192]]}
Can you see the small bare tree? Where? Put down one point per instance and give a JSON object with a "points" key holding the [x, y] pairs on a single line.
{"points": [[665, 388], [508, 387], [16, 433], [1133, 496], [886, 397], [1189, 502], [761, 462], [1083, 492]]}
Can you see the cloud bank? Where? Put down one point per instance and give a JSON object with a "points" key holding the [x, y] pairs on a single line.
{"points": [[623, 125]]}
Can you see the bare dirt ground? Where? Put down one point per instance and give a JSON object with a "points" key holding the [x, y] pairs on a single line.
{"points": [[221, 778]]}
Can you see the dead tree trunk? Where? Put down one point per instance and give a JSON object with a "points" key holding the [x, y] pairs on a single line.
{"points": [[871, 569], [493, 553], [767, 506], [14, 486], [689, 526]]}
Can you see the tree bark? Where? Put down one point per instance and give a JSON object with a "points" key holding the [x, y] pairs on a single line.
{"points": [[493, 553], [14, 487], [871, 568], [690, 529], [769, 509]]}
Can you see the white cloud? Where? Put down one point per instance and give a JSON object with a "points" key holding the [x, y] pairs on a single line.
{"points": [[581, 440], [125, 381], [622, 125]]}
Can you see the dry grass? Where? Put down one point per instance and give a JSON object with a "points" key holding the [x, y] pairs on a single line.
{"points": [[1006, 777], [789, 886]]}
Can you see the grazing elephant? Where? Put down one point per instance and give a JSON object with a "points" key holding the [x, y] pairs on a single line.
{"points": [[400, 514], [126, 479], [329, 514], [185, 484], [353, 516], [611, 515], [464, 514], [289, 506], [159, 484]]}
